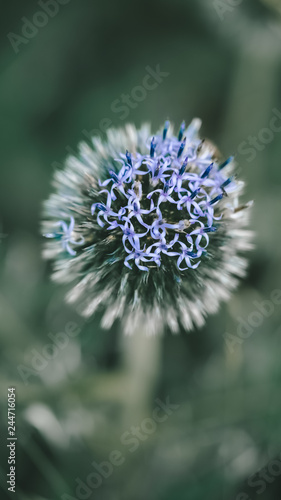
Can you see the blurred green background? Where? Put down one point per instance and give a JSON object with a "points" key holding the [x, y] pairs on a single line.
{"points": [[221, 63]]}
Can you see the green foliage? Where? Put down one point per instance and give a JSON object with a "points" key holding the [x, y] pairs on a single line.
{"points": [[73, 409]]}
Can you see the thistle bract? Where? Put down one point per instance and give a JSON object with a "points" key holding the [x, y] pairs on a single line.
{"points": [[147, 228]]}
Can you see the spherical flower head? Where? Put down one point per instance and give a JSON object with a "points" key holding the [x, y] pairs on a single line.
{"points": [[147, 228]]}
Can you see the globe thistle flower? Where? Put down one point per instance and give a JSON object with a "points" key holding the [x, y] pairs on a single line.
{"points": [[148, 229]]}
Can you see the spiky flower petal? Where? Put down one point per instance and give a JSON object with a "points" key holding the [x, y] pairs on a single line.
{"points": [[155, 231]]}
